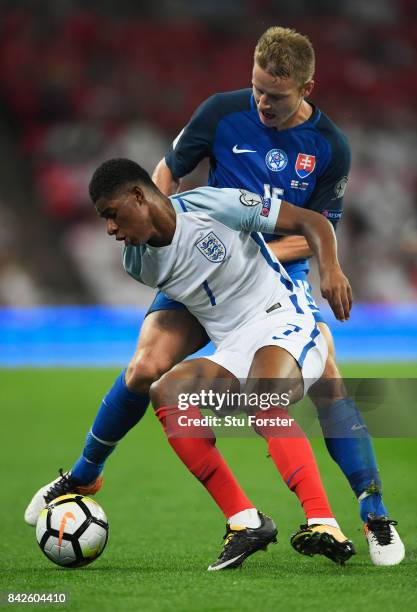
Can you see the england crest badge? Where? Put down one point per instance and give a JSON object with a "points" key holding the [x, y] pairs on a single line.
{"points": [[305, 164], [212, 248]]}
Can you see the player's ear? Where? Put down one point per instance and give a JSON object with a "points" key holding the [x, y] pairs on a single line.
{"points": [[139, 194], [307, 89]]}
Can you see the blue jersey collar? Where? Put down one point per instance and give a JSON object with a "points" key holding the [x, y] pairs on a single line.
{"points": [[315, 116]]}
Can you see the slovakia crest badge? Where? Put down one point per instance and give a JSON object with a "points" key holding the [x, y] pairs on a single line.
{"points": [[212, 248], [276, 160], [305, 164]]}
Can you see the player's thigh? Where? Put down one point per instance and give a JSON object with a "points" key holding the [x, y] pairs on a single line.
{"points": [[166, 338], [192, 378], [330, 388], [275, 370]]}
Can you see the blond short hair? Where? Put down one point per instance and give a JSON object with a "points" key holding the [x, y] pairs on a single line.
{"points": [[286, 54]]}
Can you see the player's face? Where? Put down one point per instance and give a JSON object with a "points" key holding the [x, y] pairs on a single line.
{"points": [[126, 218], [277, 100]]}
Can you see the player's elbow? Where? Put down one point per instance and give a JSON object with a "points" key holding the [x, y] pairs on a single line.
{"points": [[163, 178], [158, 169]]}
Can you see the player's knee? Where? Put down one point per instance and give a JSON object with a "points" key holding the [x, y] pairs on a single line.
{"points": [[157, 391], [331, 371], [145, 369], [165, 391], [330, 387], [177, 384]]}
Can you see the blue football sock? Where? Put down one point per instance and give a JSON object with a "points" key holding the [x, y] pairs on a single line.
{"points": [[350, 445], [372, 504], [120, 410]]}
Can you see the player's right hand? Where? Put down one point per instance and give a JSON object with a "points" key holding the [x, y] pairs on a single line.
{"points": [[336, 289]]}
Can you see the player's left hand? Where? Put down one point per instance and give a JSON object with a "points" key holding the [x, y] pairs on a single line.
{"points": [[336, 289]]}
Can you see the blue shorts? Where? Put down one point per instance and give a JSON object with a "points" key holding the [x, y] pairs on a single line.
{"points": [[163, 302]]}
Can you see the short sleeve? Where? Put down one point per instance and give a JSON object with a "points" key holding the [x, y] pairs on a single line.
{"points": [[239, 209], [327, 197], [195, 141]]}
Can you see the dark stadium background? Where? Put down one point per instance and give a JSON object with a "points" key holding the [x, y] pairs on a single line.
{"points": [[82, 81]]}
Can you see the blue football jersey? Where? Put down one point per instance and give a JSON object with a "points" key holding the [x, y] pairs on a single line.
{"points": [[307, 165]]}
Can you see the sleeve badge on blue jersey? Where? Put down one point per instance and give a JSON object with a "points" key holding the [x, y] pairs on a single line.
{"points": [[250, 199], [212, 248], [340, 188], [305, 164], [332, 215]]}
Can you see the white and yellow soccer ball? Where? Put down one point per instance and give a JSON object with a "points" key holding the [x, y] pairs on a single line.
{"points": [[72, 530]]}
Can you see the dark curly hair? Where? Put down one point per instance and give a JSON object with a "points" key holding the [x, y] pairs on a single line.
{"points": [[114, 174]]}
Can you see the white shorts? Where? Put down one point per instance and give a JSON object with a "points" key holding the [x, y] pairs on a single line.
{"points": [[283, 327]]}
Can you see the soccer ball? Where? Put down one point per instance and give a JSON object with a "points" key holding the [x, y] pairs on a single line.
{"points": [[72, 530]]}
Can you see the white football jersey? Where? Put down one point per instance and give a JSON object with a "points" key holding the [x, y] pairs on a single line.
{"points": [[217, 264]]}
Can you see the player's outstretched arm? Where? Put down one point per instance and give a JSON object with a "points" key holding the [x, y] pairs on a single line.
{"points": [[321, 239], [164, 179]]}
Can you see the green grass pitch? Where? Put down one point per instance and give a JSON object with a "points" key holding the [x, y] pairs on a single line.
{"points": [[165, 530]]}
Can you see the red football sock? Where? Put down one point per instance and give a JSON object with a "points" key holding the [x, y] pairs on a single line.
{"points": [[293, 456], [198, 452]]}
